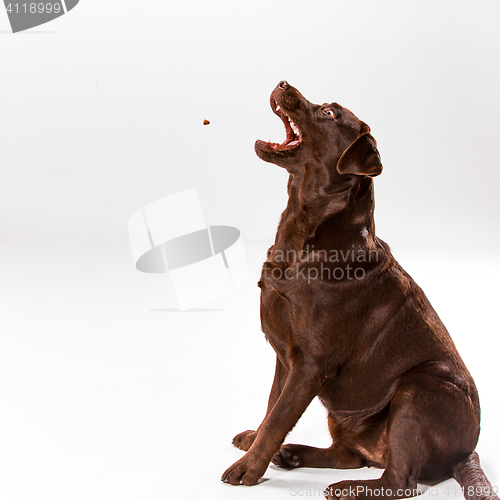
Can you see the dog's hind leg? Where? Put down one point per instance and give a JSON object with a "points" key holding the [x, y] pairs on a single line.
{"points": [[336, 457], [433, 424], [339, 455]]}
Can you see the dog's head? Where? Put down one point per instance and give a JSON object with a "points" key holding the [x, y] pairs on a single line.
{"points": [[325, 137]]}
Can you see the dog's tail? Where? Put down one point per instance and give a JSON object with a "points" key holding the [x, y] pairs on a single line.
{"points": [[471, 477]]}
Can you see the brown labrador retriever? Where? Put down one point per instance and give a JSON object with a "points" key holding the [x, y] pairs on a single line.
{"points": [[350, 326]]}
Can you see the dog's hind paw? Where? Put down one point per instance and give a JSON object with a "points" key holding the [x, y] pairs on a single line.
{"points": [[288, 457]]}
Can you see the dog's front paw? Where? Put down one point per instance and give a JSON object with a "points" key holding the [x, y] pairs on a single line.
{"points": [[339, 491], [345, 490], [243, 472], [244, 440]]}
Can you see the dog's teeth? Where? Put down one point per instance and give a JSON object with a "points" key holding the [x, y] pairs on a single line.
{"points": [[294, 127], [278, 107]]}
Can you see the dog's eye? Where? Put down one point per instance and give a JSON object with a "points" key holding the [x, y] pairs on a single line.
{"points": [[329, 112]]}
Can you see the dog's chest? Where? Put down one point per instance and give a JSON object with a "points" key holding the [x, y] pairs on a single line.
{"points": [[275, 313]]}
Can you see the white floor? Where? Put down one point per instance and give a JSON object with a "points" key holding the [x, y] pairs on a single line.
{"points": [[108, 393]]}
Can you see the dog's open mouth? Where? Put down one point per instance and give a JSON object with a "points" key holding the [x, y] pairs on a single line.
{"points": [[293, 135]]}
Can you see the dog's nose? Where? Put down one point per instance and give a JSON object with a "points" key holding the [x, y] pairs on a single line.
{"points": [[283, 85]]}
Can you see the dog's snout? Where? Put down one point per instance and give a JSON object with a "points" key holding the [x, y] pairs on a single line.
{"points": [[283, 85]]}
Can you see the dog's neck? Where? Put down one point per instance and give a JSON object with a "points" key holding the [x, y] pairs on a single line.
{"points": [[337, 217]]}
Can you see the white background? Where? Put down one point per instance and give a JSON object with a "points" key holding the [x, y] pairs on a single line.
{"points": [[106, 392]]}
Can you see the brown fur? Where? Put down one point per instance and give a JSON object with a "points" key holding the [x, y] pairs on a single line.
{"points": [[370, 346]]}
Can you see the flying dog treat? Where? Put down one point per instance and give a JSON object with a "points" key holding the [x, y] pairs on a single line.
{"points": [[206, 122]]}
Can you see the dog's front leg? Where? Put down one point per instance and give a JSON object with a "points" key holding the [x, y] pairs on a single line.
{"points": [[245, 439], [302, 385]]}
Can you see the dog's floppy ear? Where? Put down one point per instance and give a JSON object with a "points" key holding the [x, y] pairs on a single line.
{"points": [[361, 157]]}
